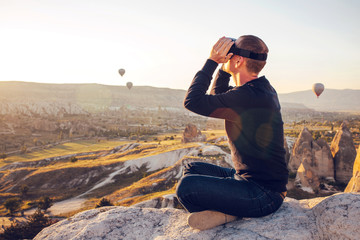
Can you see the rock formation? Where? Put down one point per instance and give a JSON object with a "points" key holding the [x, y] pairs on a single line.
{"points": [[311, 160], [166, 201], [301, 149], [354, 184], [334, 217], [307, 178], [192, 134], [211, 151], [287, 152], [344, 153]]}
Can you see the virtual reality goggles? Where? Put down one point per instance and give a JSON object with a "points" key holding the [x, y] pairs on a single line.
{"points": [[246, 53]]}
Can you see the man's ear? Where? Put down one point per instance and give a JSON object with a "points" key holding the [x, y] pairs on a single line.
{"points": [[239, 61]]}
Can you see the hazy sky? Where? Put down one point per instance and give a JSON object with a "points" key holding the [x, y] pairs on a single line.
{"points": [[164, 43]]}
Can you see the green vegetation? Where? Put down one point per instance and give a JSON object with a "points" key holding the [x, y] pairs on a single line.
{"points": [[64, 149], [29, 229], [44, 203], [24, 189], [13, 205], [103, 203]]}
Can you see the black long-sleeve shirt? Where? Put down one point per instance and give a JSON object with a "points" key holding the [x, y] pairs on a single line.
{"points": [[253, 123]]}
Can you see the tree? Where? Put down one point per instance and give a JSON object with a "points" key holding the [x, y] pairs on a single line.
{"points": [[29, 229], [3, 155], [23, 149], [24, 189], [13, 205], [45, 203], [104, 202]]}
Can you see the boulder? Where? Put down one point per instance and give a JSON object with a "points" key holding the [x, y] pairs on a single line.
{"points": [[334, 217], [344, 153], [354, 183], [192, 134], [212, 151]]}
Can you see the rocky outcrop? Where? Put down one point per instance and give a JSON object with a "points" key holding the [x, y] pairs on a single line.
{"points": [[354, 184], [316, 154], [344, 153], [166, 201], [165, 179], [334, 217], [301, 149], [311, 160], [211, 151], [287, 152], [192, 134], [307, 178]]}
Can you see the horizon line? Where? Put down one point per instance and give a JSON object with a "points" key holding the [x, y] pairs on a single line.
{"points": [[91, 83]]}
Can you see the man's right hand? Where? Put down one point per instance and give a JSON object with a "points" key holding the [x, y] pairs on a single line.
{"points": [[220, 50]]}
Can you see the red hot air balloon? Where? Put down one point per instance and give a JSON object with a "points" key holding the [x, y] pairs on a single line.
{"points": [[129, 85], [121, 71], [318, 88]]}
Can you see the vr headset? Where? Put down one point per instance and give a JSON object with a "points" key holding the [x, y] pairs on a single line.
{"points": [[247, 53]]}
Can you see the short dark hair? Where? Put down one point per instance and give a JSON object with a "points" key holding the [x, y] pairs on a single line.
{"points": [[253, 44]]}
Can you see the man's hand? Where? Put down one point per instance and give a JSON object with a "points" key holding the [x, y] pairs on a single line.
{"points": [[220, 50]]}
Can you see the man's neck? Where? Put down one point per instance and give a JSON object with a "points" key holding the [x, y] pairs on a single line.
{"points": [[241, 78]]}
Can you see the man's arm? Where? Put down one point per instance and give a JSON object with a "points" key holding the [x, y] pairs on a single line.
{"points": [[221, 83], [225, 105]]}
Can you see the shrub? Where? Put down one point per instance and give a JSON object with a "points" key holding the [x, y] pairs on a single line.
{"points": [[3, 155], [73, 159], [24, 189], [292, 175], [13, 205], [104, 202], [45, 203], [23, 149], [29, 229]]}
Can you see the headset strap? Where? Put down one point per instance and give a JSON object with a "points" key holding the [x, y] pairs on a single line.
{"points": [[247, 53]]}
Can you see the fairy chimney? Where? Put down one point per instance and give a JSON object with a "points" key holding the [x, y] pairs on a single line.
{"points": [[344, 153], [301, 149], [354, 184], [192, 134]]}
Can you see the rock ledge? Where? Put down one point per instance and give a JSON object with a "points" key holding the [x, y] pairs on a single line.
{"points": [[334, 217]]}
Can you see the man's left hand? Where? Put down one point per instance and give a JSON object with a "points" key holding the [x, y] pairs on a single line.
{"points": [[220, 50]]}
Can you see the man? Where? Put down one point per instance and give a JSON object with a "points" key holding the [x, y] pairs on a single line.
{"points": [[257, 186]]}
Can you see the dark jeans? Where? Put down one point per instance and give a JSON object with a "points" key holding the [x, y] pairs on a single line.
{"points": [[209, 187]]}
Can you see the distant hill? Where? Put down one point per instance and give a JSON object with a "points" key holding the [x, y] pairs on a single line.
{"points": [[80, 98], [97, 96], [329, 100]]}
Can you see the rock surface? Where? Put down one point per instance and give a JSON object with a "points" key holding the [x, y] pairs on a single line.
{"points": [[334, 217], [344, 153], [354, 183], [192, 134]]}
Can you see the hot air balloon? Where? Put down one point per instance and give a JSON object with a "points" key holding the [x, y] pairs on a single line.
{"points": [[129, 85], [318, 88], [121, 71]]}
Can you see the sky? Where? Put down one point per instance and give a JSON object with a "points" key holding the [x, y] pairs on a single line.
{"points": [[163, 43]]}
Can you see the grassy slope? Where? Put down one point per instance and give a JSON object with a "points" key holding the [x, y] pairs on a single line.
{"points": [[92, 160], [63, 149]]}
